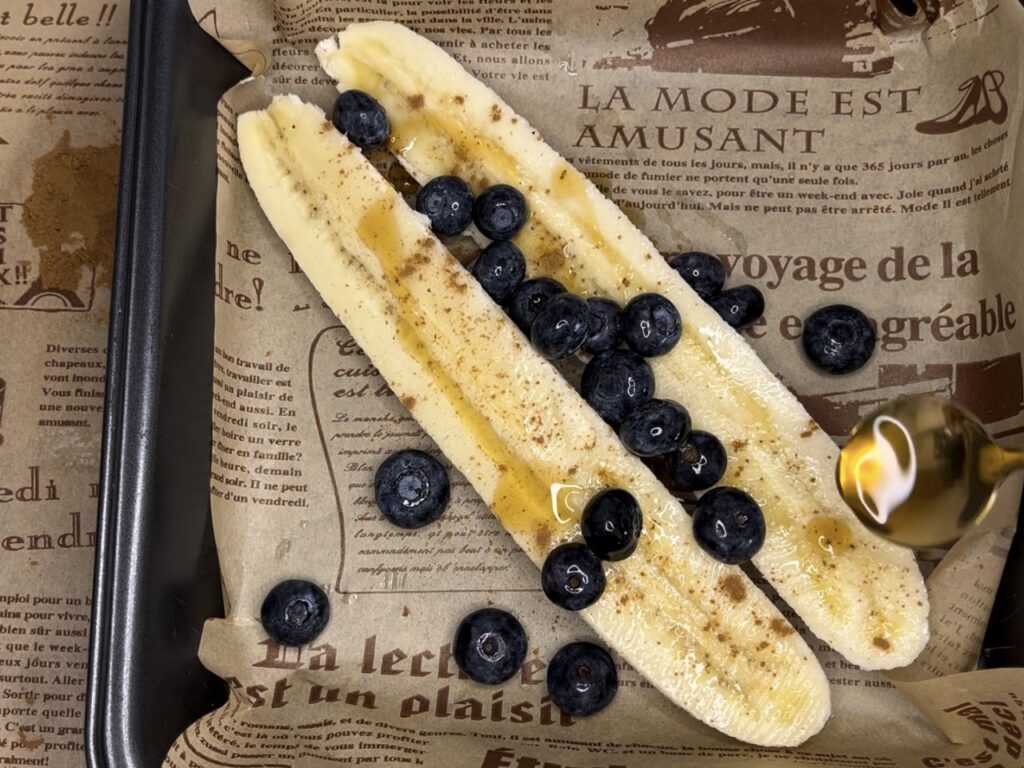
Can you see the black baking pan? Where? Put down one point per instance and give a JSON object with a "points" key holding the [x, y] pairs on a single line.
{"points": [[156, 578]]}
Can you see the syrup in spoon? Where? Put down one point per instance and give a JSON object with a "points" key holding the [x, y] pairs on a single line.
{"points": [[921, 470]]}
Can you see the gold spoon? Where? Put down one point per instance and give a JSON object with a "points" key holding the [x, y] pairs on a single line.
{"points": [[921, 470]]}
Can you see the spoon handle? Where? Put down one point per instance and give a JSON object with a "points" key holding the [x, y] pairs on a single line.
{"points": [[1006, 461]]}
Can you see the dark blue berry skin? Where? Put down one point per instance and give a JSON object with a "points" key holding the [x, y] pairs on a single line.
{"points": [[572, 577], [605, 329], [699, 463], [448, 202], [616, 382], [490, 646], [528, 299], [728, 525], [361, 118], [582, 679], [655, 428], [651, 325], [500, 269], [411, 489], [740, 306], [838, 339], [294, 612], [611, 524], [500, 212], [702, 271], [561, 326]]}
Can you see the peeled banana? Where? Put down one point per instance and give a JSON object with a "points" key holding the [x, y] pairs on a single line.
{"points": [[534, 451], [862, 595]]}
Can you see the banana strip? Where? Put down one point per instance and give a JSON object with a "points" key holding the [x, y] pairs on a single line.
{"points": [[698, 630], [862, 595]]}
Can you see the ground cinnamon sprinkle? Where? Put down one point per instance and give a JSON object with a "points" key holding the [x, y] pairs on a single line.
{"points": [[732, 585], [70, 214]]}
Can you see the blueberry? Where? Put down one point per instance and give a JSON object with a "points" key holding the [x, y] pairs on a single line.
{"points": [[611, 524], [615, 382], [655, 428], [699, 463], [361, 118], [582, 679], [728, 525], [561, 326], [702, 271], [500, 212], [448, 202], [411, 488], [740, 306], [490, 646], [838, 338], [529, 298], [651, 325], [294, 612], [500, 269], [572, 577], [605, 328]]}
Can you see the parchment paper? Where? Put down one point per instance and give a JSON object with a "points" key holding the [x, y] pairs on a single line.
{"points": [[61, 82], [827, 153]]}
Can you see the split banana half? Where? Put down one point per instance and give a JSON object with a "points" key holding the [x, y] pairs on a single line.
{"points": [[863, 596], [531, 447]]}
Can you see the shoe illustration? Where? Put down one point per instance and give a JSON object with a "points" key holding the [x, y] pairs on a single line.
{"points": [[993, 81], [982, 102]]}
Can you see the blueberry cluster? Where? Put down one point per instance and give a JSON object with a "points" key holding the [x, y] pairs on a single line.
{"points": [[490, 647], [617, 382], [573, 574], [499, 213], [739, 307]]}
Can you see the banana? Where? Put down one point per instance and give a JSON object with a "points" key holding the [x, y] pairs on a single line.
{"points": [[862, 595], [699, 630]]}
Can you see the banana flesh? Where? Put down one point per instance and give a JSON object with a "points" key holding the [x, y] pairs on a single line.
{"points": [[862, 595], [534, 451]]}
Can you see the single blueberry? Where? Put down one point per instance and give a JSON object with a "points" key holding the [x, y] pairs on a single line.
{"points": [[572, 577], [294, 612], [611, 524], [699, 463], [728, 525], [615, 382], [448, 202], [528, 299], [490, 646], [500, 212], [651, 325], [561, 326], [582, 679], [605, 329], [702, 271], [500, 269], [740, 306], [655, 428], [361, 118], [411, 489], [838, 338]]}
